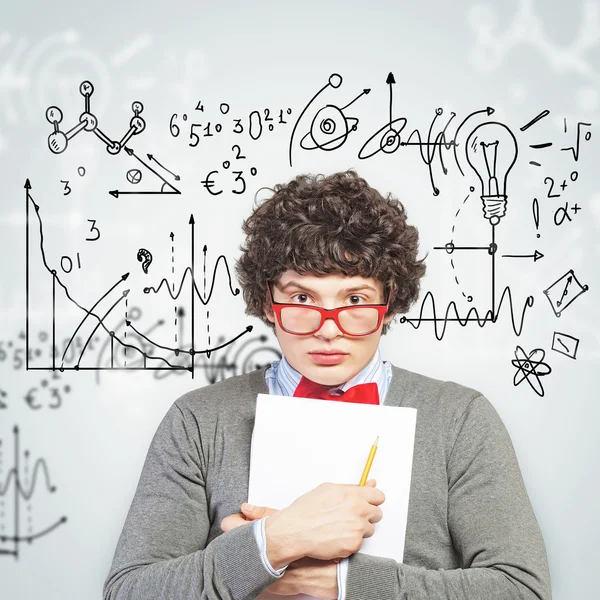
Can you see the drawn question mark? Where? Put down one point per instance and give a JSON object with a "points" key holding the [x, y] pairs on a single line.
{"points": [[145, 258]]}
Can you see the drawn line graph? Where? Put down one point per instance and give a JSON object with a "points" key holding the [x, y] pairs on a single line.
{"points": [[156, 362], [23, 489]]}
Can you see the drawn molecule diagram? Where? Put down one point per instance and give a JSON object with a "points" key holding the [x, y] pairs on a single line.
{"points": [[59, 140]]}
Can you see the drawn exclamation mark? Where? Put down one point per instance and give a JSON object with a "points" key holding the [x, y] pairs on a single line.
{"points": [[536, 214]]}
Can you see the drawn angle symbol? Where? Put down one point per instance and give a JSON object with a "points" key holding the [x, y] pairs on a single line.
{"points": [[165, 188]]}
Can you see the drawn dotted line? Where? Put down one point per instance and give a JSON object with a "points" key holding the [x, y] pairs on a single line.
{"points": [[207, 312], [469, 298], [173, 278], [125, 335]]}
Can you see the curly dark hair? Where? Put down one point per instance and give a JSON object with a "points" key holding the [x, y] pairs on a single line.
{"points": [[329, 224]]}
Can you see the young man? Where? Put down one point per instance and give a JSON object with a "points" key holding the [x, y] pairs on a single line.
{"points": [[327, 263]]}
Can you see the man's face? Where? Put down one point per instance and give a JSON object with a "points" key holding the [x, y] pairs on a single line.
{"points": [[304, 353]]}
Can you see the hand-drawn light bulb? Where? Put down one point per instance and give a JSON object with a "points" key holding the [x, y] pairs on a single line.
{"points": [[492, 151]]}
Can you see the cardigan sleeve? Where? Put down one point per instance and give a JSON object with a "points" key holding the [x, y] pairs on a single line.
{"points": [[490, 518], [162, 551]]}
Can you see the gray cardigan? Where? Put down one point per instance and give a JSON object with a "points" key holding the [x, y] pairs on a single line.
{"points": [[471, 533]]}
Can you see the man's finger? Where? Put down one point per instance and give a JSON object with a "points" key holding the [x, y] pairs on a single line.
{"points": [[233, 521], [257, 512]]}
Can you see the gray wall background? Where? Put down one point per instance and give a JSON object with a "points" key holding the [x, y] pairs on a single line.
{"points": [[519, 57]]}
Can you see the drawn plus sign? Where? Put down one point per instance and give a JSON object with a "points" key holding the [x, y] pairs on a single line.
{"points": [[563, 185], [575, 208]]}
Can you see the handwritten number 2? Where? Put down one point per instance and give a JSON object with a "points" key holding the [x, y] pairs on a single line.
{"points": [[550, 194]]}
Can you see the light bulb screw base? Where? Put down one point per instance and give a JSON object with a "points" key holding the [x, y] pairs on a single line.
{"points": [[494, 208]]}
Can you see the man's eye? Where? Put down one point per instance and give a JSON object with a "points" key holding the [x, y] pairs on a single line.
{"points": [[300, 296], [358, 298]]}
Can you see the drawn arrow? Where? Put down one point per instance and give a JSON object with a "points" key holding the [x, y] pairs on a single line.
{"points": [[172, 190], [390, 81], [566, 290], [151, 157], [536, 256]]}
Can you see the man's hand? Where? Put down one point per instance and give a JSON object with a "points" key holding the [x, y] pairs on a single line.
{"points": [[247, 515], [303, 576], [308, 576]]}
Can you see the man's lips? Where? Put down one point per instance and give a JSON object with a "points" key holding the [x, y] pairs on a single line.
{"points": [[328, 358]]}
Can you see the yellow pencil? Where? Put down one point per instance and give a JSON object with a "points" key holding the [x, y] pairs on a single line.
{"points": [[367, 468]]}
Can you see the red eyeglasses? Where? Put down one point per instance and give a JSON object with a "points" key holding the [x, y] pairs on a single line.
{"points": [[301, 319]]}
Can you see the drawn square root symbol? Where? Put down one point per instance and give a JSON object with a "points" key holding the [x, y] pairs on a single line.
{"points": [[565, 344], [564, 291]]}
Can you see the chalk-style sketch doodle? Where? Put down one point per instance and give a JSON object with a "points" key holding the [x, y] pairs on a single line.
{"points": [[49, 391], [165, 188], [533, 121], [566, 344], [145, 257], [491, 316], [575, 149], [530, 367], [540, 146], [59, 140], [209, 182], [330, 127], [564, 291], [238, 357], [17, 487], [536, 256], [492, 150], [388, 139], [535, 209], [48, 395], [94, 321], [134, 176]]}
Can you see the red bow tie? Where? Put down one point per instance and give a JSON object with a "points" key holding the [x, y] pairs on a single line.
{"points": [[363, 393]]}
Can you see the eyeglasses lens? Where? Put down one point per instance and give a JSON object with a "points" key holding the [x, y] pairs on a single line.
{"points": [[355, 320]]}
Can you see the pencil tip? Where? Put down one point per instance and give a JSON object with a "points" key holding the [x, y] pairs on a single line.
{"points": [[376, 441]]}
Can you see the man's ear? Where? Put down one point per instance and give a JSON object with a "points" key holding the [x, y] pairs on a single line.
{"points": [[388, 318], [269, 314]]}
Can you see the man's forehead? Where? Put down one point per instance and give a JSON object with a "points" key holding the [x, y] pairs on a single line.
{"points": [[325, 282]]}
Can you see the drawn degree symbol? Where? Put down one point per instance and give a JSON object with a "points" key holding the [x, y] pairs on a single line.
{"points": [[145, 258]]}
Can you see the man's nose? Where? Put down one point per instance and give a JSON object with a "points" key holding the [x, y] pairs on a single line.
{"points": [[329, 329]]}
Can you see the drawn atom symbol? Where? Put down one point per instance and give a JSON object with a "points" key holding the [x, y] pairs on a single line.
{"points": [[530, 367]]}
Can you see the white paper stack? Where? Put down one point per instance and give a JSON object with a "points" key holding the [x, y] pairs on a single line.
{"points": [[299, 443]]}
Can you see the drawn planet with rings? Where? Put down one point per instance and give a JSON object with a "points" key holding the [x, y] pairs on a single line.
{"points": [[329, 129], [134, 175]]}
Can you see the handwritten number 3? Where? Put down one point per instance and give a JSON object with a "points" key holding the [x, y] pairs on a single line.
{"points": [[93, 228]]}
